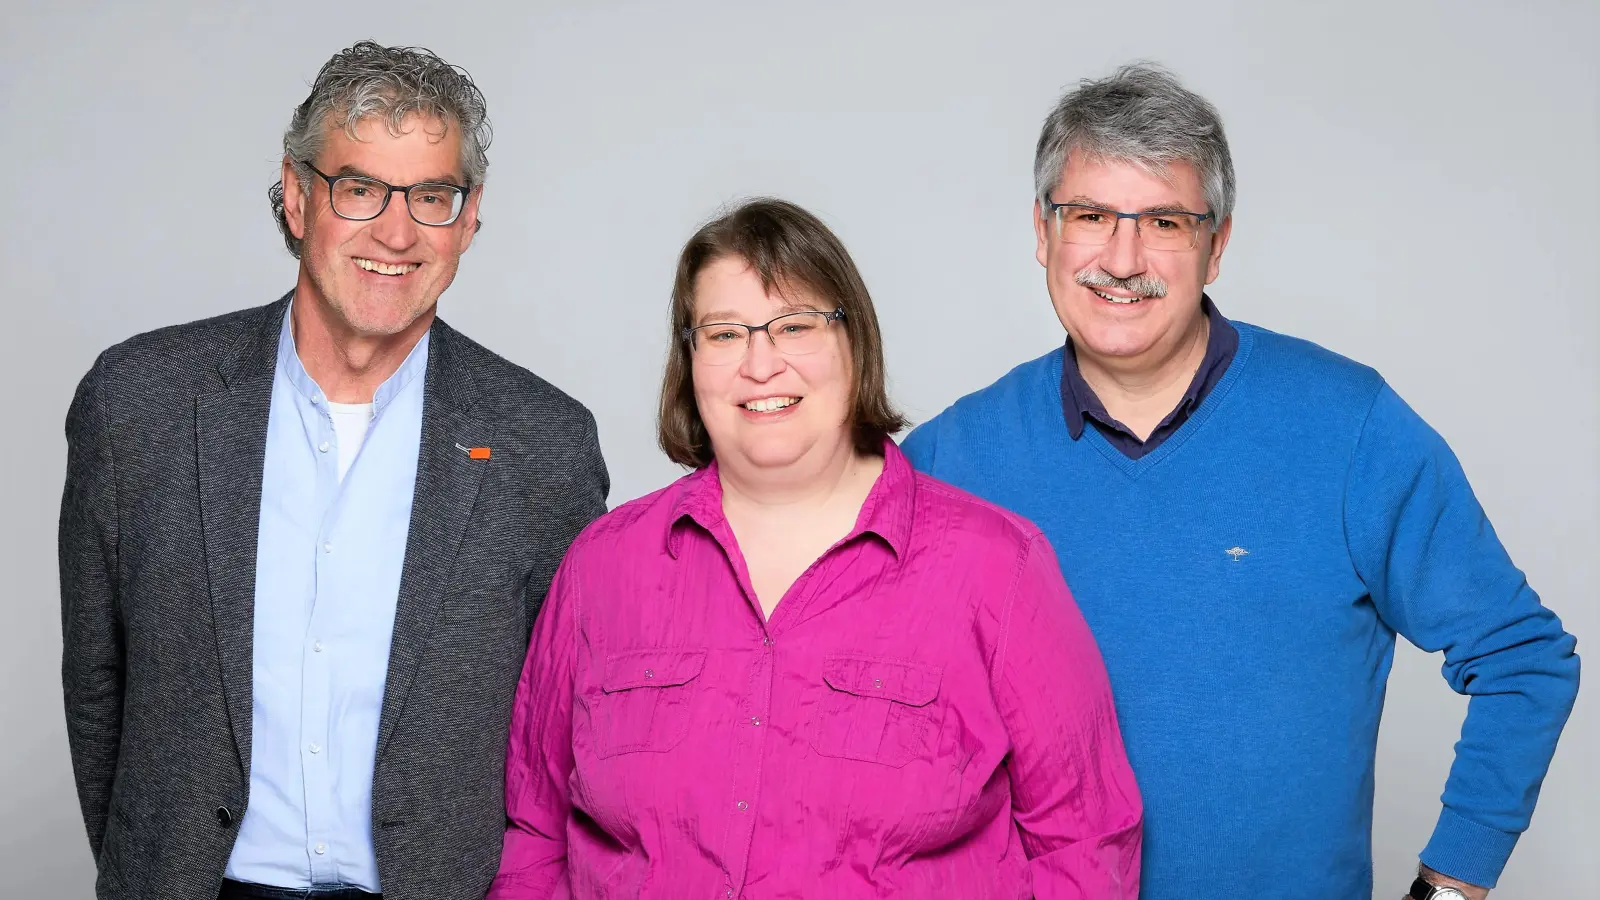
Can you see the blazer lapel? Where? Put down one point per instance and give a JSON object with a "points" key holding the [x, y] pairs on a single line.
{"points": [[446, 492], [231, 443]]}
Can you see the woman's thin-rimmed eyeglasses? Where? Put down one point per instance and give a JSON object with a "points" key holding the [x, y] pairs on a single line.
{"points": [[792, 334]]}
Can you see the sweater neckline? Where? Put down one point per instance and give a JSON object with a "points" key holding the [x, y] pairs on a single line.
{"points": [[1134, 468]]}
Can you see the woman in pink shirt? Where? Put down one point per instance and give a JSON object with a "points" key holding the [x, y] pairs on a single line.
{"points": [[804, 670]]}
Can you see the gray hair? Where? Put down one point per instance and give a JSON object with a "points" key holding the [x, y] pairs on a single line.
{"points": [[1140, 114], [367, 81]]}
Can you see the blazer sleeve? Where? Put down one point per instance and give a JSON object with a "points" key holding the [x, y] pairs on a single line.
{"points": [[92, 654], [579, 500], [539, 757]]}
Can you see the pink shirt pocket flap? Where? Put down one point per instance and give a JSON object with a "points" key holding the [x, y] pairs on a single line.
{"points": [[912, 684], [651, 668]]}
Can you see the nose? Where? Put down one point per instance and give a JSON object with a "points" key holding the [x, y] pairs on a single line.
{"points": [[761, 359], [394, 228], [1123, 255]]}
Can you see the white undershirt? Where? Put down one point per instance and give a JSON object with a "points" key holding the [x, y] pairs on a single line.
{"points": [[350, 421]]}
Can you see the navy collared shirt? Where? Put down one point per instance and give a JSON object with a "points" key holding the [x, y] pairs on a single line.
{"points": [[1080, 403]]}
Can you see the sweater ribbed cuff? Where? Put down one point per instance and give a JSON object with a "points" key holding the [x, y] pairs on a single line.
{"points": [[1467, 851]]}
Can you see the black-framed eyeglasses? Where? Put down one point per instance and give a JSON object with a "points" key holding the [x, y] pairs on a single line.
{"points": [[1175, 229], [792, 334], [359, 198]]}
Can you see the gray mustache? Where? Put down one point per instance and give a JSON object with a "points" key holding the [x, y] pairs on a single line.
{"points": [[1143, 285]]}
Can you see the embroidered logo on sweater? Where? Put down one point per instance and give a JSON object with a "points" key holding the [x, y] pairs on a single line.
{"points": [[1237, 553]]}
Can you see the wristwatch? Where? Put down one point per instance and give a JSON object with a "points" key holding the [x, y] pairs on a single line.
{"points": [[1422, 890]]}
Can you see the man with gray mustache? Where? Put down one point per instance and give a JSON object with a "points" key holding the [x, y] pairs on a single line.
{"points": [[1247, 520]]}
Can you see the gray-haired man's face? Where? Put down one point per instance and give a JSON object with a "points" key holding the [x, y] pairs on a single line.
{"points": [[380, 276], [1123, 299]]}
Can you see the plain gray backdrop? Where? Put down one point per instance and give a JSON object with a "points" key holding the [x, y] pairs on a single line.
{"points": [[1418, 190]]}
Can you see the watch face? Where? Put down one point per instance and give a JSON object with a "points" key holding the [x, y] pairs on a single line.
{"points": [[1447, 893]]}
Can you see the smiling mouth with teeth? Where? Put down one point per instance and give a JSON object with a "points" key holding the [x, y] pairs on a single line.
{"points": [[771, 404], [386, 268], [1120, 301]]}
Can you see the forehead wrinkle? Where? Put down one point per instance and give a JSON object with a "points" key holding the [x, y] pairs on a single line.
{"points": [[1161, 169], [351, 124]]}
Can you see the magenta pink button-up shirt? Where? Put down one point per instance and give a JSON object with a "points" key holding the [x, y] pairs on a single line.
{"points": [[924, 715]]}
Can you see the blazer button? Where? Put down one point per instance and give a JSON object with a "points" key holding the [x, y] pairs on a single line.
{"points": [[224, 816]]}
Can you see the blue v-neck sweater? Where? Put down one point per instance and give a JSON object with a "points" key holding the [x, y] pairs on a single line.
{"points": [[1245, 582]]}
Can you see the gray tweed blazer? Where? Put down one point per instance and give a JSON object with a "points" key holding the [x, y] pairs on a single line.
{"points": [[166, 441]]}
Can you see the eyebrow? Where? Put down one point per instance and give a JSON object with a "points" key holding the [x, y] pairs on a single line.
{"points": [[729, 317], [792, 307], [1081, 200], [1169, 208], [449, 178]]}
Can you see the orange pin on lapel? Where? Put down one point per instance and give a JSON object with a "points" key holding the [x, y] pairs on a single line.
{"points": [[474, 452]]}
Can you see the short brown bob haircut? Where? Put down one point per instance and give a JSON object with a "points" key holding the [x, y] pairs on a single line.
{"points": [[794, 253]]}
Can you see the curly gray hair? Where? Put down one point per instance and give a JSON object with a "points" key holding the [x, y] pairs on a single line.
{"points": [[1139, 114], [368, 80]]}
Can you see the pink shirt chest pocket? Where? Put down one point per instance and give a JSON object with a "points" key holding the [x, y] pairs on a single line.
{"points": [[877, 710], [645, 700]]}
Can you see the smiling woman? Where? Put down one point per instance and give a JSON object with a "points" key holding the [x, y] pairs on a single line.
{"points": [[769, 257], [804, 664]]}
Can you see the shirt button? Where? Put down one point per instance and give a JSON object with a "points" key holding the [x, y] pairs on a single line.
{"points": [[730, 892], [877, 682], [755, 720], [315, 747], [316, 647], [649, 673], [766, 641], [321, 848], [324, 446], [743, 805], [328, 547]]}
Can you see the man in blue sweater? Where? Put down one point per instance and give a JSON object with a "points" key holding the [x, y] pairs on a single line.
{"points": [[1247, 520]]}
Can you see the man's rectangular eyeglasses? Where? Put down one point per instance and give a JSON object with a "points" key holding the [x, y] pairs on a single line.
{"points": [[359, 198], [1080, 223], [792, 334]]}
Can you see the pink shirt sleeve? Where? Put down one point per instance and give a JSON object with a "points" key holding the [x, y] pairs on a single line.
{"points": [[1074, 797], [533, 860]]}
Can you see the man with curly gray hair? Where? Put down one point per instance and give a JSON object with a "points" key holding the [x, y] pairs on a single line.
{"points": [[302, 545]]}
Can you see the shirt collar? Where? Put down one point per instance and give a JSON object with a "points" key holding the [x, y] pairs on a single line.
{"points": [[415, 364], [1079, 401], [886, 513]]}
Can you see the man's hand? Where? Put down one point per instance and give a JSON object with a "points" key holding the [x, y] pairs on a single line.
{"points": [[1472, 891]]}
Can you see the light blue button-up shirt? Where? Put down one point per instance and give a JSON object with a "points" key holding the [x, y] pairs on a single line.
{"points": [[328, 563]]}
